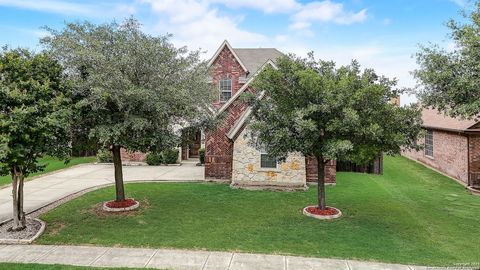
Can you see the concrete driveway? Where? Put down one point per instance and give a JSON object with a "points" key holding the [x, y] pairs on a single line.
{"points": [[52, 187]]}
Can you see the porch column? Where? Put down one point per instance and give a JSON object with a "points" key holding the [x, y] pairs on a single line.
{"points": [[202, 139], [179, 158]]}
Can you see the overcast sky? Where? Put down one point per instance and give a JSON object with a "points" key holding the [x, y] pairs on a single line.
{"points": [[380, 34]]}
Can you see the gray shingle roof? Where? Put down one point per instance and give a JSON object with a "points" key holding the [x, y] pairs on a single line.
{"points": [[254, 58], [436, 120]]}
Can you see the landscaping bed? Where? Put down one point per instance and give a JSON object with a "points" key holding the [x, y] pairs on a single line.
{"points": [[122, 204], [326, 214], [126, 205], [33, 230], [409, 215]]}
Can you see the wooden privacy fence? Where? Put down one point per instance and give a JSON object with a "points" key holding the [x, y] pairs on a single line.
{"points": [[374, 167]]}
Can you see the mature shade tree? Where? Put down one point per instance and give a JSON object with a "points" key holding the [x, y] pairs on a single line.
{"points": [[35, 114], [450, 78], [330, 113], [136, 90]]}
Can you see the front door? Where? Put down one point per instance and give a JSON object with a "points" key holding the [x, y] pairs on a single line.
{"points": [[195, 145]]}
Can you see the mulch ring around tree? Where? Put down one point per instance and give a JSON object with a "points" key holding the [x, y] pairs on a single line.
{"points": [[34, 229], [126, 205], [315, 212]]}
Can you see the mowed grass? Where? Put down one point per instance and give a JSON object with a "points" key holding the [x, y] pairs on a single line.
{"points": [[53, 164], [409, 215]]}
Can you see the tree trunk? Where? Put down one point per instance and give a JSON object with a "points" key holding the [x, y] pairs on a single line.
{"points": [[117, 163], [19, 222], [321, 183]]}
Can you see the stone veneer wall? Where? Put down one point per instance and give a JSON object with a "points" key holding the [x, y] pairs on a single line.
{"points": [[247, 171], [450, 154]]}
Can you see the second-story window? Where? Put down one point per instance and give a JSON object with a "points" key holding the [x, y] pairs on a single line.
{"points": [[225, 89]]}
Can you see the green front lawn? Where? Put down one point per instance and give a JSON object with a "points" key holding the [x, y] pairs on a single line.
{"points": [[409, 215], [53, 164]]}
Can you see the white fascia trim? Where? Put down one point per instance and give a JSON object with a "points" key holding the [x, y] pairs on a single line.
{"points": [[219, 50], [232, 133], [242, 89]]}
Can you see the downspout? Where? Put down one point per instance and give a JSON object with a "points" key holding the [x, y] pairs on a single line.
{"points": [[468, 158]]}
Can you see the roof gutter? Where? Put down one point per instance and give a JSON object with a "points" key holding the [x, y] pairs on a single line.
{"points": [[470, 131]]}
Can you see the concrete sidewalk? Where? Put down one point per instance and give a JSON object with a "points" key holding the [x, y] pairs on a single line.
{"points": [[178, 259], [49, 188]]}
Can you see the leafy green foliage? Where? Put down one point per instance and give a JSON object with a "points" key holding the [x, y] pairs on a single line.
{"points": [[320, 110], [170, 156], [154, 159], [449, 78], [167, 156], [104, 156], [35, 111], [329, 113], [82, 144], [135, 89], [201, 155], [132, 90], [35, 117]]}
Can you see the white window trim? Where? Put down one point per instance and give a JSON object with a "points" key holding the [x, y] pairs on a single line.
{"points": [[263, 152], [425, 139], [220, 91]]}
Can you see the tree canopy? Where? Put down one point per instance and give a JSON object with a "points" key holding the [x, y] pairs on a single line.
{"points": [[137, 90], [330, 113], [35, 116], [449, 78], [135, 87]]}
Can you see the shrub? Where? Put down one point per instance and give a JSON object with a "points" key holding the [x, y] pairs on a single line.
{"points": [[201, 154], [104, 156], [153, 159], [170, 156]]}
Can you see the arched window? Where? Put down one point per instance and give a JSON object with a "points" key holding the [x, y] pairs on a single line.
{"points": [[225, 86]]}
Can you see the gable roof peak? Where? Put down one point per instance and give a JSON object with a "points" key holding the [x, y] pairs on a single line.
{"points": [[219, 50]]}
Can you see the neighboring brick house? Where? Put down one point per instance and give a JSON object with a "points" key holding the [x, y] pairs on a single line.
{"points": [[228, 154], [452, 146]]}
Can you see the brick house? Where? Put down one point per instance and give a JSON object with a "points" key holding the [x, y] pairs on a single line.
{"points": [[452, 146], [228, 154]]}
